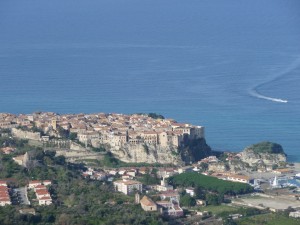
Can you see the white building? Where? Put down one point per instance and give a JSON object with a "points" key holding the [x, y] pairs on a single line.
{"points": [[190, 191], [164, 186], [295, 214], [47, 182], [128, 186], [34, 183], [239, 178], [45, 200], [3, 183]]}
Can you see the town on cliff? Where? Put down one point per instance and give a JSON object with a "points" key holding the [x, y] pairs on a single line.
{"points": [[163, 165]]}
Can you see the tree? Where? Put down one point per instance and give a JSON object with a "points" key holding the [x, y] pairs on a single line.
{"points": [[187, 200], [60, 160], [155, 116], [204, 166], [72, 136], [199, 193], [63, 133], [213, 199], [209, 183]]}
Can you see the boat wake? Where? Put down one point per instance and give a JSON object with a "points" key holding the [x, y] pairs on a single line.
{"points": [[254, 91], [257, 95]]}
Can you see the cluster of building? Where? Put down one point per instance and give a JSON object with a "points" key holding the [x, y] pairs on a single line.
{"points": [[94, 175], [168, 205], [41, 191], [130, 173], [4, 194], [114, 129], [128, 184]]}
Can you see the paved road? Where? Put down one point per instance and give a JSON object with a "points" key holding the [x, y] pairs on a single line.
{"points": [[21, 196]]}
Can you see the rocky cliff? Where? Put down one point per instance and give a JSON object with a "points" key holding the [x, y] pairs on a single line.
{"points": [[191, 151], [266, 153], [147, 154], [194, 150]]}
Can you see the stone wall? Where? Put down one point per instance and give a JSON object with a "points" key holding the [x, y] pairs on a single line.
{"points": [[18, 133]]}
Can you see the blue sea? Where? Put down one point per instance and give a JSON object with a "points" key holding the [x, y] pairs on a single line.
{"points": [[231, 66]]}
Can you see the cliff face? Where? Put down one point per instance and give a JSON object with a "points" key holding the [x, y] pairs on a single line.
{"points": [[191, 151], [254, 158], [194, 150], [147, 154]]}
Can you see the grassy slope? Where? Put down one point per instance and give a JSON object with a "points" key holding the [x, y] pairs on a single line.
{"points": [[268, 219]]}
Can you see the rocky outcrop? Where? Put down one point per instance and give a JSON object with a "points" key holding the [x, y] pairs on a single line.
{"points": [[194, 150], [147, 154], [237, 165], [253, 157], [190, 151], [217, 167]]}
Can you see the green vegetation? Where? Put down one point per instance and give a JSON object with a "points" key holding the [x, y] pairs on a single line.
{"points": [[155, 116], [32, 129], [65, 134], [9, 169], [12, 142], [146, 148], [224, 212], [214, 199], [99, 149], [110, 161], [194, 150], [150, 178], [152, 115], [268, 219], [216, 210], [76, 200], [210, 183], [267, 147], [73, 136], [187, 201]]}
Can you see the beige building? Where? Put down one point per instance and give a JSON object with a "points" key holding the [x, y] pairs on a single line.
{"points": [[147, 204], [239, 178], [22, 160]]}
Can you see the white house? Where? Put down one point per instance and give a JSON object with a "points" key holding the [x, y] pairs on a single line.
{"points": [[42, 193], [45, 201], [47, 182], [128, 186], [239, 178], [190, 191], [34, 183], [3, 183], [295, 214]]}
